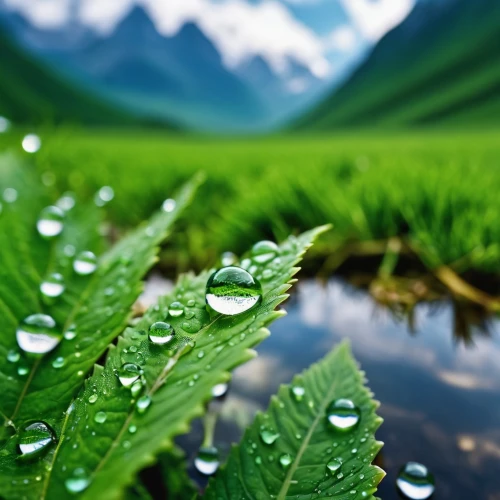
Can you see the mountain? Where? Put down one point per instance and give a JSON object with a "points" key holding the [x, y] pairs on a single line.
{"points": [[439, 66], [31, 94]]}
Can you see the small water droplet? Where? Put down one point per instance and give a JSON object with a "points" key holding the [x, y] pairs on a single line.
{"points": [[415, 481], [109, 291], [70, 333], [136, 388], [176, 309], [267, 274], [286, 460], [69, 250], [161, 333], [343, 414], [50, 222], [128, 374], [219, 390], [232, 290], [201, 354], [100, 417], [298, 392], [268, 436], [78, 482], [132, 428], [31, 143], [103, 196], [85, 263], [34, 439], [37, 334], [207, 461], [53, 286], [58, 362], [143, 403], [23, 370], [9, 195], [228, 259], [13, 356], [169, 205], [93, 398], [264, 251], [66, 202], [191, 303]]}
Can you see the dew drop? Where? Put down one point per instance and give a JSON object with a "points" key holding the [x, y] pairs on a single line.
{"points": [[70, 333], [143, 403], [228, 259], [103, 196], [9, 195], [132, 428], [268, 436], [79, 481], [176, 309], [22, 371], [93, 398], [264, 251], [34, 439], [207, 461], [85, 263], [232, 290], [136, 388], [31, 143], [37, 334], [169, 205], [58, 362], [415, 481], [128, 374], [13, 356], [219, 390], [53, 286], [286, 460], [50, 222], [66, 202], [343, 414], [161, 333], [298, 392], [191, 303], [100, 417]]}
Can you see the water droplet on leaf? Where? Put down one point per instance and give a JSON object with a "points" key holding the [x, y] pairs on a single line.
{"points": [[93, 398], [143, 404], [268, 436], [78, 482], [343, 414], [286, 460], [34, 439], [128, 374], [334, 465], [53, 286], [103, 196], [100, 417], [415, 481], [264, 251], [13, 356], [228, 259], [161, 333], [37, 334], [219, 390], [207, 461], [50, 222], [168, 205], [176, 309], [298, 392], [58, 362], [85, 263]]}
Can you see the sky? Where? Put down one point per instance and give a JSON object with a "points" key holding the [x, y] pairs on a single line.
{"points": [[321, 34]]}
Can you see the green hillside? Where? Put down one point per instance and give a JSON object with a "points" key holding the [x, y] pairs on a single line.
{"points": [[31, 94], [440, 66]]}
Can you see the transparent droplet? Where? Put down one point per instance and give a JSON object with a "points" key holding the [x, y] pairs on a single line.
{"points": [[132, 428], [161, 333], [343, 414], [286, 460], [85, 263], [70, 333], [100, 417], [31, 143], [128, 374], [176, 309], [103, 196], [34, 439], [78, 482], [220, 390], [66, 202], [53, 286], [22, 371], [58, 362], [334, 465], [298, 392], [13, 356], [232, 290], [136, 388], [50, 222], [269, 436], [9, 195], [228, 259], [264, 251], [93, 398], [415, 481], [143, 403], [37, 334], [207, 461], [267, 274], [168, 205]]}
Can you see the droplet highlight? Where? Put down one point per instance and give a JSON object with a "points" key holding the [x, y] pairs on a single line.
{"points": [[415, 481], [34, 439], [37, 334], [343, 414], [50, 222], [85, 263]]}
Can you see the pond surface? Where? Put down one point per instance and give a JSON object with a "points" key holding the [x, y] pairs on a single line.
{"points": [[440, 399]]}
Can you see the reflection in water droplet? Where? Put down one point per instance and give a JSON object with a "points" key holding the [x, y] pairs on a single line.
{"points": [[333, 465], [286, 460], [264, 251], [100, 417], [161, 333], [298, 392], [268, 436], [34, 439], [78, 482], [228, 259], [128, 374], [31, 143], [168, 205], [50, 222], [220, 390], [232, 290], [415, 481], [343, 414], [176, 309], [103, 196], [37, 334], [85, 263], [207, 461], [53, 286], [143, 403]]}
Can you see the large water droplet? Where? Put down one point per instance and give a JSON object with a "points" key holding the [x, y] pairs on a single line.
{"points": [[37, 334], [85, 263], [334, 465], [53, 286], [34, 439], [415, 481], [286, 460], [220, 390], [50, 222], [103, 196], [100, 417], [128, 374], [161, 333], [264, 251], [343, 414], [168, 205], [78, 482], [207, 461], [268, 436], [232, 290], [176, 309], [31, 143]]}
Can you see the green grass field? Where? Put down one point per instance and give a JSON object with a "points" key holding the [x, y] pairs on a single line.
{"points": [[436, 190]]}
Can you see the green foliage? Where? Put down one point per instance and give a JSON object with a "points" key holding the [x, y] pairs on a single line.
{"points": [[298, 430]]}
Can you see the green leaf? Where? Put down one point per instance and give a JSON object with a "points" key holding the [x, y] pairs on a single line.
{"points": [[178, 383], [254, 469]]}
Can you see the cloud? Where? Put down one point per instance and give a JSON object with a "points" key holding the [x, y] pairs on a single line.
{"points": [[374, 18], [48, 13], [343, 39]]}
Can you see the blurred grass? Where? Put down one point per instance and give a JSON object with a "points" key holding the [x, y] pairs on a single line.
{"points": [[439, 190]]}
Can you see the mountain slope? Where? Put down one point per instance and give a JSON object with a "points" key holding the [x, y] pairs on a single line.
{"points": [[440, 66], [29, 93]]}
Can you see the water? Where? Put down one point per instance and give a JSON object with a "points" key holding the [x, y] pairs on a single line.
{"points": [[85, 263], [128, 374], [103, 196], [264, 251], [232, 290], [50, 222], [169, 205], [37, 334], [343, 415], [207, 461], [31, 143], [439, 385], [161, 333], [35, 439], [415, 481], [53, 286]]}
